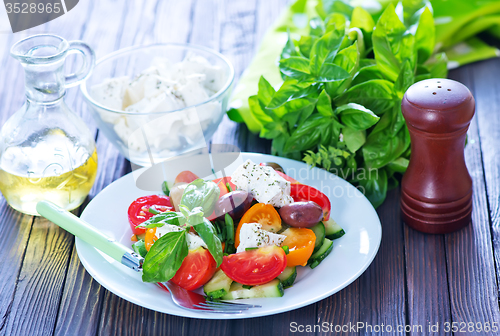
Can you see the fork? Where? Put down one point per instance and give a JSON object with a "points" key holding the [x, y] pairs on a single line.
{"points": [[194, 301], [83, 230]]}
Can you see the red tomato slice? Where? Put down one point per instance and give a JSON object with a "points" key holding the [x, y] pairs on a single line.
{"points": [[138, 211], [303, 192], [221, 183], [197, 268], [186, 176], [255, 267]]}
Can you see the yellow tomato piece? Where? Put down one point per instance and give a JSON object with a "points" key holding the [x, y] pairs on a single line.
{"points": [[300, 242]]}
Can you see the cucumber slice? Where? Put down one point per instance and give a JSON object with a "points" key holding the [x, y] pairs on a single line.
{"points": [[218, 286], [321, 254], [319, 231], [166, 186], [287, 277], [333, 230], [140, 248], [274, 288]]}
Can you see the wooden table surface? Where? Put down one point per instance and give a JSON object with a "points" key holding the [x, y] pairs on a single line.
{"points": [[416, 279]]}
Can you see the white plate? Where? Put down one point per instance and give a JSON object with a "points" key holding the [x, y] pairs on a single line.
{"points": [[351, 255]]}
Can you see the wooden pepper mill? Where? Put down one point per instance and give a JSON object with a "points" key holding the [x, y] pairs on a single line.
{"points": [[436, 192]]}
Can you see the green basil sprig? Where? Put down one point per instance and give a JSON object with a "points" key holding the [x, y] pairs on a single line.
{"points": [[339, 106], [167, 253], [206, 231], [165, 257], [159, 220], [200, 193]]}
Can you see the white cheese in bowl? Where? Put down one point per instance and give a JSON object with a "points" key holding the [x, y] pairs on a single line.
{"points": [[164, 86]]}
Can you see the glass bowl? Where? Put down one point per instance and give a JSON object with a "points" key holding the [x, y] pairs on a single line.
{"points": [[149, 138]]}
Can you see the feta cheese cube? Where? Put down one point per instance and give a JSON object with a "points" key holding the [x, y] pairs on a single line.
{"points": [[110, 92], [252, 235], [193, 241], [263, 183]]}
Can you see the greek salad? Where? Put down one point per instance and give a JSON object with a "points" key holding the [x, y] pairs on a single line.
{"points": [[239, 237]]}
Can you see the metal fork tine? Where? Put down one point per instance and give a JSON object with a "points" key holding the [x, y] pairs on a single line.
{"points": [[194, 301], [221, 307], [236, 304]]}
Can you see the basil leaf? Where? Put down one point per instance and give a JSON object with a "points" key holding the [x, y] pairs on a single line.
{"points": [[324, 50], [289, 50], [348, 59], [295, 67], [390, 44], [362, 19], [381, 148], [335, 21], [357, 116], [337, 6], [290, 89], [202, 194], [367, 73], [376, 95], [373, 184], [307, 134], [195, 216], [278, 144], [332, 73], [266, 91], [438, 66], [298, 110], [305, 45], [168, 217], [257, 111], [398, 166], [272, 130], [353, 138], [324, 105], [425, 36], [405, 79], [206, 231], [165, 257], [316, 27]]}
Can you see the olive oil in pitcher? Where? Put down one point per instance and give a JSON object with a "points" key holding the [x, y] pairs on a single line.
{"points": [[46, 150]]}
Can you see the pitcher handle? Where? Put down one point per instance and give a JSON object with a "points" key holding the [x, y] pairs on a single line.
{"points": [[79, 47]]}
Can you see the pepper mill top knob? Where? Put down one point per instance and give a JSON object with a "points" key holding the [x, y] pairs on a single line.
{"points": [[438, 105], [436, 195]]}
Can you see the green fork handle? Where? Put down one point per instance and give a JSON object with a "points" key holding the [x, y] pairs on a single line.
{"points": [[89, 234]]}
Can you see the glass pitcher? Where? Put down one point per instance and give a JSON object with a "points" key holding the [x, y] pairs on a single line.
{"points": [[46, 150]]}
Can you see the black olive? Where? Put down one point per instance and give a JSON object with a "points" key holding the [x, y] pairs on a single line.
{"points": [[275, 166], [234, 203]]}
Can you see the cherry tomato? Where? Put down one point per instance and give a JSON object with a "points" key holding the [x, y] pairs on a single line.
{"points": [[300, 242], [221, 183], [197, 268], [261, 213], [255, 267], [186, 176], [304, 193], [138, 211]]}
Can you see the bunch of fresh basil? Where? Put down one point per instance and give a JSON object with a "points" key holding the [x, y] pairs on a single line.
{"points": [[166, 255], [339, 106]]}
